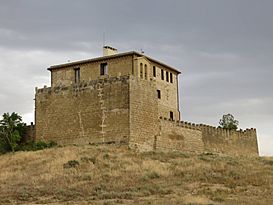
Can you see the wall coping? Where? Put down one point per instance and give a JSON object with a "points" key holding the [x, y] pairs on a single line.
{"points": [[201, 127], [82, 85]]}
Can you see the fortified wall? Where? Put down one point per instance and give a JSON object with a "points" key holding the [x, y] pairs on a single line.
{"points": [[127, 98], [125, 110], [176, 135], [110, 110], [143, 114], [29, 135], [186, 136], [242, 142], [96, 111]]}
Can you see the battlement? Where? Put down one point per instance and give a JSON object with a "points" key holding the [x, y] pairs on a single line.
{"points": [[95, 111], [208, 128], [183, 124], [83, 85], [126, 97], [178, 135], [45, 89], [230, 141], [212, 128], [217, 139]]}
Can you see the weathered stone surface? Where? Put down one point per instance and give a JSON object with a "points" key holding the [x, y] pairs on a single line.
{"points": [[123, 107], [96, 113], [175, 137], [242, 142]]}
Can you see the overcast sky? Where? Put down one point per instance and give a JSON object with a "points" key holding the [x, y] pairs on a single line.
{"points": [[224, 49]]}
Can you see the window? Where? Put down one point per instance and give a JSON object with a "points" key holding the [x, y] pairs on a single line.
{"points": [[141, 70], [77, 75], [162, 74], [154, 71], [171, 77], [103, 69], [158, 94], [145, 71], [171, 115], [167, 76]]}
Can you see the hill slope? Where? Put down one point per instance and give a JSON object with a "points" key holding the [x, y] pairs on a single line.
{"points": [[116, 175]]}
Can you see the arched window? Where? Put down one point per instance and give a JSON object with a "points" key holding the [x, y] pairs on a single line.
{"points": [[141, 70], [145, 71]]}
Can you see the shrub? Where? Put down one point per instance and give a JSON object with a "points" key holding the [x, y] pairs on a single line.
{"points": [[3, 147], [71, 164], [34, 146], [12, 129], [150, 175]]}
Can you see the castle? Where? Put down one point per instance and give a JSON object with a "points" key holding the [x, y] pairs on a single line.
{"points": [[126, 98]]}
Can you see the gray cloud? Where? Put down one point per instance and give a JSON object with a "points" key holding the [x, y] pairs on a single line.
{"points": [[223, 48]]}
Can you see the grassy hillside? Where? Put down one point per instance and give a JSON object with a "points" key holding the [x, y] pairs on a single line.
{"points": [[116, 175]]}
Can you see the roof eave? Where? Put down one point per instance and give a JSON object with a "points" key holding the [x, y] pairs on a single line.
{"points": [[163, 64], [109, 57], [91, 60]]}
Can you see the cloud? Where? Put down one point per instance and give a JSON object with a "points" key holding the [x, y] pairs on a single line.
{"points": [[223, 48], [22, 71]]}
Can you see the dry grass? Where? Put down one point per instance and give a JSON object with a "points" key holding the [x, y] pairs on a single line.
{"points": [[116, 175]]}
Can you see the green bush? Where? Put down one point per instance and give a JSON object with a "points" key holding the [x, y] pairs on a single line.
{"points": [[12, 128], [3, 147], [34, 146]]}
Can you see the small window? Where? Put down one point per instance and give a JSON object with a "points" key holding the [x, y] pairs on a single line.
{"points": [[171, 77], [171, 115], [167, 76], [145, 71], [141, 70], [154, 71], [158, 94], [77, 75], [162, 74], [103, 69]]}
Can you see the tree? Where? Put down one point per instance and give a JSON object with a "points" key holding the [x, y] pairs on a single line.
{"points": [[228, 122], [11, 130]]}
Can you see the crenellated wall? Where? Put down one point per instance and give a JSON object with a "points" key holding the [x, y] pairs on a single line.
{"points": [[90, 112], [125, 109], [131, 101], [29, 135], [186, 136], [242, 142], [176, 135]]}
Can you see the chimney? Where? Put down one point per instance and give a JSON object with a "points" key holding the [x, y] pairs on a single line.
{"points": [[107, 51]]}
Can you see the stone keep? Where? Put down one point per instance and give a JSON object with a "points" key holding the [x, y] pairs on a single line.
{"points": [[126, 98]]}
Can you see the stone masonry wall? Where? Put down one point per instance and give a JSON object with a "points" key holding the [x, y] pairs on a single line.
{"points": [[143, 114], [126, 109], [175, 135], [169, 90], [29, 135], [91, 112], [120, 66], [242, 142], [169, 94]]}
